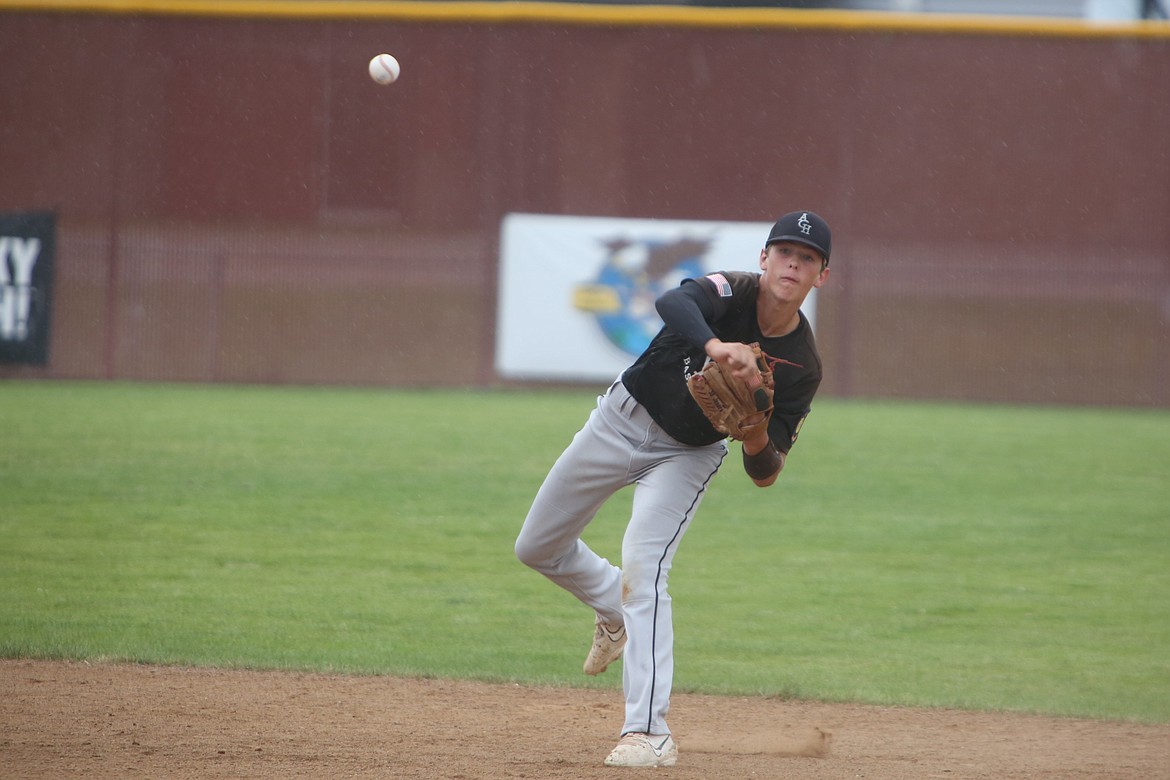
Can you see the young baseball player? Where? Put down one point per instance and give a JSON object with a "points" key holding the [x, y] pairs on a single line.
{"points": [[647, 430]]}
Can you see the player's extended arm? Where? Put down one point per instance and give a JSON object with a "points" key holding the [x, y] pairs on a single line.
{"points": [[686, 310]]}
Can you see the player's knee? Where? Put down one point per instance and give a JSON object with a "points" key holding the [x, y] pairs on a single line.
{"points": [[528, 554], [636, 588], [522, 551]]}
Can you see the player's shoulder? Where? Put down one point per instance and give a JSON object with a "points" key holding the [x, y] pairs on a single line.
{"points": [[729, 284]]}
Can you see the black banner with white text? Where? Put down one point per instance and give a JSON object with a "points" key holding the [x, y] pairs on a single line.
{"points": [[27, 244]]}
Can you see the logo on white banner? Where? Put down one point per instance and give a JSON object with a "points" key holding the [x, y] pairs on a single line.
{"points": [[633, 272]]}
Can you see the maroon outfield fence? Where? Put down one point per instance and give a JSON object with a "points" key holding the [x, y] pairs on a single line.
{"points": [[235, 200]]}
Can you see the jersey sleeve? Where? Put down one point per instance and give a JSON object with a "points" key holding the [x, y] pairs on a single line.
{"points": [[687, 311]]}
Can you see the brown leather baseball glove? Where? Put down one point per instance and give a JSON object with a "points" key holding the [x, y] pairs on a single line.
{"points": [[733, 408]]}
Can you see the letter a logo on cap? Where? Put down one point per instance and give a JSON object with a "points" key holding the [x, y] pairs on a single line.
{"points": [[803, 227]]}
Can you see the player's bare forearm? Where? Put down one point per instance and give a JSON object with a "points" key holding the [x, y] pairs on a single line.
{"points": [[761, 460]]}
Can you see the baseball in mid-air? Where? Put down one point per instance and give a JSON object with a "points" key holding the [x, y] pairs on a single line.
{"points": [[384, 69]]}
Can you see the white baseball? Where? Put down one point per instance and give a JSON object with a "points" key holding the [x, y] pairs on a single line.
{"points": [[384, 69]]}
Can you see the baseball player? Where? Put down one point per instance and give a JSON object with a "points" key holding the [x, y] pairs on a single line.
{"points": [[649, 431]]}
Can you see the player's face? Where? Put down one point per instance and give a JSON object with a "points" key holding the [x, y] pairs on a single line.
{"points": [[791, 270]]}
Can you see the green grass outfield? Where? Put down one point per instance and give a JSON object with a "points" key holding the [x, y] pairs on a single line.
{"points": [[984, 557]]}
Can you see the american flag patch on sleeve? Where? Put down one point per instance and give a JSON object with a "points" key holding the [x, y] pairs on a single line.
{"points": [[722, 286]]}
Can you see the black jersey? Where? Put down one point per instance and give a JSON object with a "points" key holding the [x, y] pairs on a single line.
{"points": [[657, 379]]}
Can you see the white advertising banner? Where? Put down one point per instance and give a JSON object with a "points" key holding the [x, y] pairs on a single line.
{"points": [[576, 297]]}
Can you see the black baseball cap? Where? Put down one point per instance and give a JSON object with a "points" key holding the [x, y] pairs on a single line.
{"points": [[803, 227]]}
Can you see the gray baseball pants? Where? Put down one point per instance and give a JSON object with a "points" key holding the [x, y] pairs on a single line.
{"points": [[619, 446]]}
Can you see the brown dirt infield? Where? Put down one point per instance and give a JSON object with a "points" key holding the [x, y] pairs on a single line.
{"points": [[97, 720]]}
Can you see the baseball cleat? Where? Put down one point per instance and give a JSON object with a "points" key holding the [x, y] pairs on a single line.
{"points": [[608, 641], [638, 749]]}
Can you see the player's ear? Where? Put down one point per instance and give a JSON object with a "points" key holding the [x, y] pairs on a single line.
{"points": [[763, 257], [822, 277]]}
